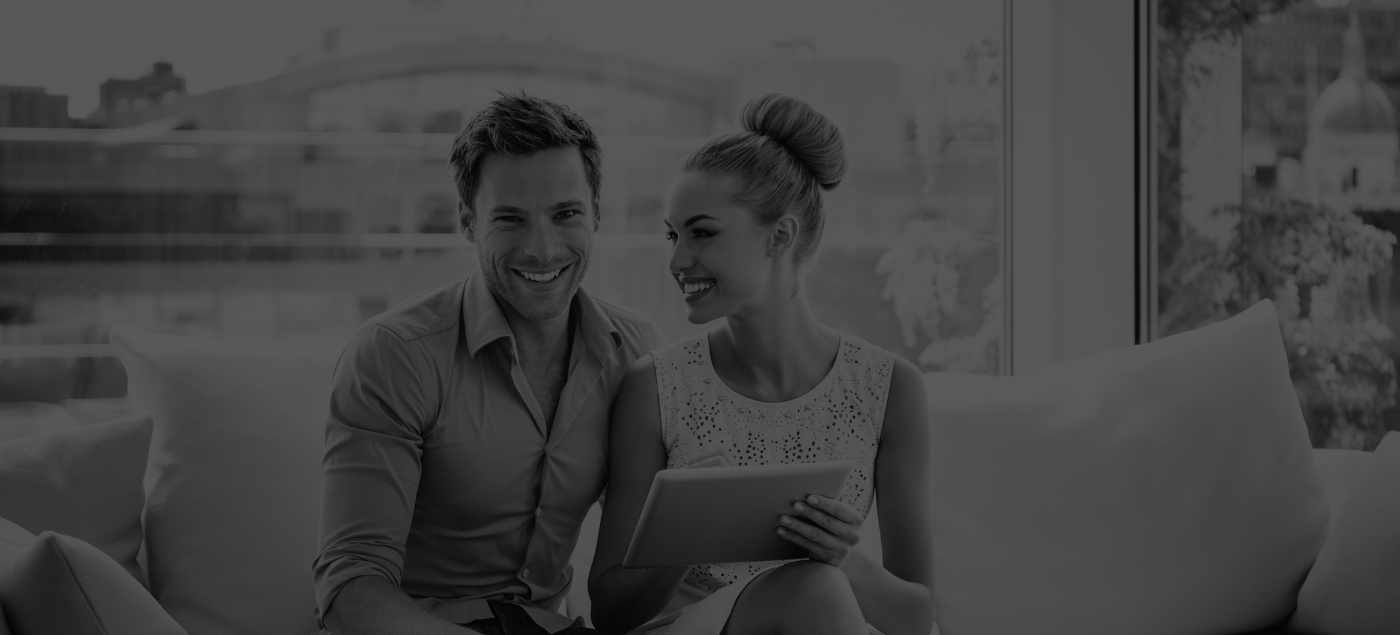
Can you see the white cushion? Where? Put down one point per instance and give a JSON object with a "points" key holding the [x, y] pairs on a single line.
{"points": [[1339, 470], [1354, 587], [233, 477], [1161, 488]]}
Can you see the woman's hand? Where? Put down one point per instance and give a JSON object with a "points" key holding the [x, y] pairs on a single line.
{"points": [[826, 527]]}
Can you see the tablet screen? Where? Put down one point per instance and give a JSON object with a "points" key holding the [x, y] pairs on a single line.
{"points": [[726, 514]]}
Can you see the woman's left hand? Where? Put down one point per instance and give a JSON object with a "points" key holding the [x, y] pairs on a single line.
{"points": [[826, 527]]}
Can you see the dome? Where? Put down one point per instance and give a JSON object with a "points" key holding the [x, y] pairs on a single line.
{"points": [[1353, 103], [1350, 105]]}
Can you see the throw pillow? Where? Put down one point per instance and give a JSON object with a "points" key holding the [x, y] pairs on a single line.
{"points": [[1354, 587], [233, 480], [59, 584], [83, 482], [1161, 488], [1339, 470]]}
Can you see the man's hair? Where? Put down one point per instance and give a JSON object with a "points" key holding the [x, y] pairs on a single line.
{"points": [[521, 125]]}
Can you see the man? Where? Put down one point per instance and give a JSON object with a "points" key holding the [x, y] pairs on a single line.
{"points": [[468, 427]]}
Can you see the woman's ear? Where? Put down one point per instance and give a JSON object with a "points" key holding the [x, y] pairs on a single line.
{"points": [[464, 218], [784, 236]]}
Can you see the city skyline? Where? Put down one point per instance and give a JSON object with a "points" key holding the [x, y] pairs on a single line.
{"points": [[217, 45]]}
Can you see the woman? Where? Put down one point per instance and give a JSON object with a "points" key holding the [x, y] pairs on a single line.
{"points": [[770, 385]]}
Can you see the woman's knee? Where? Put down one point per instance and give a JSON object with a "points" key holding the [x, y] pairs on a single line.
{"points": [[799, 597], [812, 579]]}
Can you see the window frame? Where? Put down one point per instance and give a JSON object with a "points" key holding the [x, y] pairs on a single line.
{"points": [[1078, 225]]}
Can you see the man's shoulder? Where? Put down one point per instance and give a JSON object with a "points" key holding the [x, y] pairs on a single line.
{"points": [[617, 312], [429, 313], [628, 321]]}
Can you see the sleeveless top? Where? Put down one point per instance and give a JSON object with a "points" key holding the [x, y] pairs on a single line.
{"points": [[840, 419]]}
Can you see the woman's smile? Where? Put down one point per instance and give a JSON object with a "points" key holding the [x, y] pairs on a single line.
{"points": [[696, 289]]}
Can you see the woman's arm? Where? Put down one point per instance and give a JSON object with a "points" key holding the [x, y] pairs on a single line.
{"points": [[624, 599], [898, 597]]}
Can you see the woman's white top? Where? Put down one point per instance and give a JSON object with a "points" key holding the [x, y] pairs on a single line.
{"points": [[840, 419]]}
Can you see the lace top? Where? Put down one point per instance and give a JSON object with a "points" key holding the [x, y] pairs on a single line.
{"points": [[840, 419]]}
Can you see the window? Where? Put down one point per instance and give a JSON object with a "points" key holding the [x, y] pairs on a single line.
{"points": [[295, 205], [1309, 221]]}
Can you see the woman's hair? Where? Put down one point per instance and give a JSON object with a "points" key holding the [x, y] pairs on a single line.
{"points": [[786, 151]]}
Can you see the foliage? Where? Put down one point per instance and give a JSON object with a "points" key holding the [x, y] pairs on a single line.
{"points": [[1181, 25], [1316, 265], [925, 283], [1214, 20]]}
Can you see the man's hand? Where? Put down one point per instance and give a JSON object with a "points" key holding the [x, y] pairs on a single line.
{"points": [[373, 605], [827, 527]]}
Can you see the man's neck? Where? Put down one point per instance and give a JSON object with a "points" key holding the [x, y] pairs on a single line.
{"points": [[542, 341]]}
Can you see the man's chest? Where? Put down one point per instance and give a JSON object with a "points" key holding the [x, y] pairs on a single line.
{"points": [[486, 440], [545, 382]]}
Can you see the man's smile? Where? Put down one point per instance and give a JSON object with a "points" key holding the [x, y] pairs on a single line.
{"points": [[541, 275]]}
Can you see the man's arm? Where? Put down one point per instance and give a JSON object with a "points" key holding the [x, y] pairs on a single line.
{"points": [[372, 604], [382, 402], [623, 598]]}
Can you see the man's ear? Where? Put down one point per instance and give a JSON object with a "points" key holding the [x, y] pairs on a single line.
{"points": [[784, 236], [464, 218]]}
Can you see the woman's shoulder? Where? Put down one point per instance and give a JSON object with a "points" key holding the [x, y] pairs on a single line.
{"points": [[860, 352], [686, 351]]}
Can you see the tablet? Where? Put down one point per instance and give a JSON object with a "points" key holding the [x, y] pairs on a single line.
{"points": [[726, 514]]}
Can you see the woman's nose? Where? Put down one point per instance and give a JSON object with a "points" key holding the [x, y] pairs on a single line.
{"points": [[681, 259]]}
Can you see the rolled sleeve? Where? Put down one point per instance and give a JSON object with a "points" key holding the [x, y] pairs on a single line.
{"points": [[658, 339], [381, 407]]}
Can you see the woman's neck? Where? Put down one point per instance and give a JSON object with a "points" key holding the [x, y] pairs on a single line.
{"points": [[775, 353]]}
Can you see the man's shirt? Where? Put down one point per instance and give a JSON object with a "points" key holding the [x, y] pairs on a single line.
{"points": [[440, 473]]}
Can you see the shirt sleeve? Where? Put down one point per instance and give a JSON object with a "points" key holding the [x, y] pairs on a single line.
{"points": [[381, 406], [658, 339]]}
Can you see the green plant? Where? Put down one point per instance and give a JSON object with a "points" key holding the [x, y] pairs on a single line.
{"points": [[925, 281], [1182, 25], [1316, 264]]}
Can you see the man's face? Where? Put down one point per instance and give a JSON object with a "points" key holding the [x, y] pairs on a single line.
{"points": [[533, 229]]}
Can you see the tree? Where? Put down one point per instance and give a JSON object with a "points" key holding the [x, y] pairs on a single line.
{"points": [[1182, 25], [1316, 264]]}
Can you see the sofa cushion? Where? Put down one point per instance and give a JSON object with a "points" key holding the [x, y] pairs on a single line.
{"points": [[1161, 488], [1354, 587], [83, 482], [1339, 470], [59, 584], [233, 479]]}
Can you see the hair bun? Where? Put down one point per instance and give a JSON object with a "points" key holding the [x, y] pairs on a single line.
{"points": [[803, 131]]}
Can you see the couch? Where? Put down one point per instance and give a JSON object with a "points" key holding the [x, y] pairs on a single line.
{"points": [[1161, 488]]}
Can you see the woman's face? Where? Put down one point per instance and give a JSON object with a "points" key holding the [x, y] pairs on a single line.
{"points": [[719, 253]]}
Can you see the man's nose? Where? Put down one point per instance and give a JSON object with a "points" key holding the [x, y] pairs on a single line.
{"points": [[544, 243]]}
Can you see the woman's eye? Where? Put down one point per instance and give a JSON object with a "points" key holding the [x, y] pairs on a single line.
{"points": [[671, 236], [700, 233]]}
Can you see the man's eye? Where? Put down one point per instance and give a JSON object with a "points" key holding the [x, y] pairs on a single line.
{"points": [[508, 219], [568, 213]]}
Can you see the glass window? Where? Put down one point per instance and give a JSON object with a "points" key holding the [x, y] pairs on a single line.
{"points": [[192, 198], [1277, 178]]}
